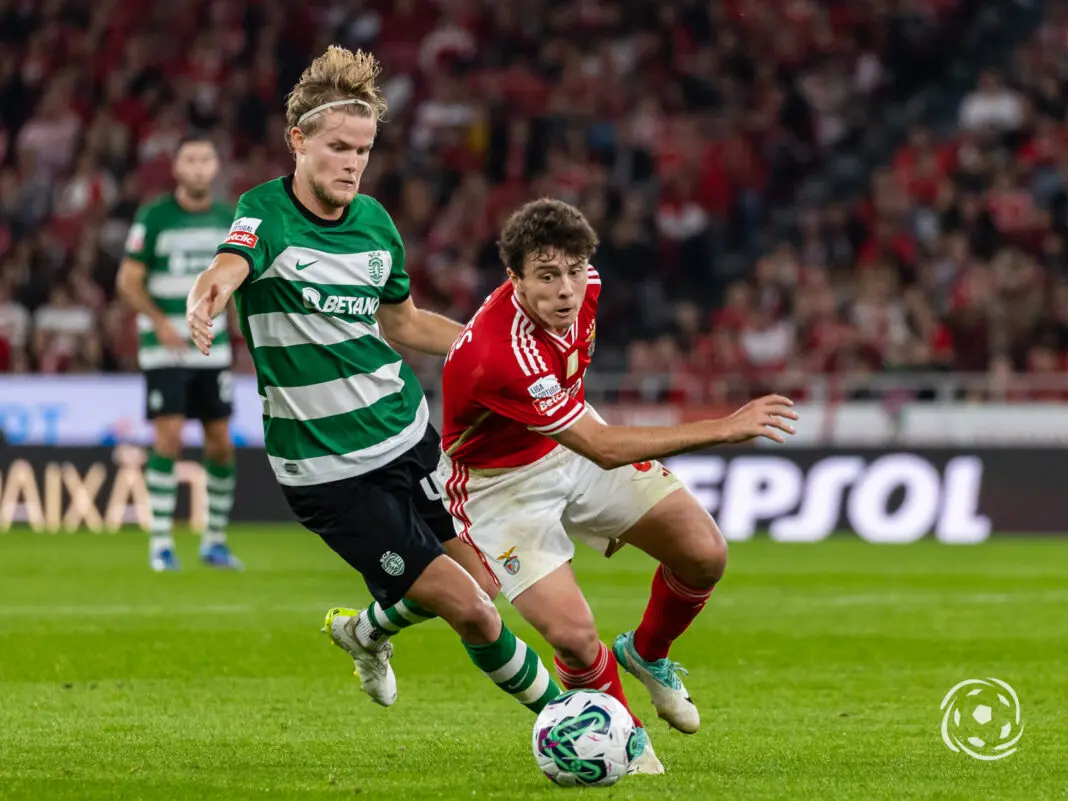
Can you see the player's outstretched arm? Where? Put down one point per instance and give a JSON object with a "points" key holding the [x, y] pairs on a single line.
{"points": [[416, 328], [210, 294], [614, 446]]}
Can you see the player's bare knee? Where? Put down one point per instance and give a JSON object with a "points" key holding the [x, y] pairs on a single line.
{"points": [[217, 445], [576, 645], [219, 451], [703, 569], [705, 563], [168, 444], [475, 618], [489, 619], [710, 567]]}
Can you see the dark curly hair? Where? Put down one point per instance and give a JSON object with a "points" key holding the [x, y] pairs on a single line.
{"points": [[543, 225]]}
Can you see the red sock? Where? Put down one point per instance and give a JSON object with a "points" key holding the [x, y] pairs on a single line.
{"points": [[602, 675], [672, 607]]}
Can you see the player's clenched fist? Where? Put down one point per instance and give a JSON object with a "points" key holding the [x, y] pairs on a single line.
{"points": [[763, 417], [199, 318]]}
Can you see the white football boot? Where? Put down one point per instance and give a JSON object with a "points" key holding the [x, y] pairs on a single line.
{"points": [[661, 679], [646, 762], [371, 663]]}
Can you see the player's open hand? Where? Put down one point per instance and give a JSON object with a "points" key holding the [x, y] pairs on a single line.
{"points": [[764, 417], [199, 319], [168, 335]]}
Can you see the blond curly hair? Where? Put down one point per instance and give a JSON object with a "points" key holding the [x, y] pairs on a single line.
{"points": [[338, 74]]}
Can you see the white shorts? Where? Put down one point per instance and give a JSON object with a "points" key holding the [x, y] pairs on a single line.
{"points": [[522, 519]]}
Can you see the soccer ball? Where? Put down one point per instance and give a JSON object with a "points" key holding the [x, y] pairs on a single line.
{"points": [[585, 737]]}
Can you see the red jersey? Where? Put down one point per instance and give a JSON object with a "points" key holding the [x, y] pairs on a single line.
{"points": [[509, 383]]}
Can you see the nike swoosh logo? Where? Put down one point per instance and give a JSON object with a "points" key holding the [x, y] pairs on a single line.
{"points": [[309, 264], [512, 685]]}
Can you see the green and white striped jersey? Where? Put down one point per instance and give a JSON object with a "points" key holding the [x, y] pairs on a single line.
{"points": [[175, 246], [338, 401]]}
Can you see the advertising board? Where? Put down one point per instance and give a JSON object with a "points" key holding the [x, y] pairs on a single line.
{"points": [[796, 495]]}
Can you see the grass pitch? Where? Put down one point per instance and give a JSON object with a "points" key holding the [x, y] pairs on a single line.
{"points": [[819, 670]]}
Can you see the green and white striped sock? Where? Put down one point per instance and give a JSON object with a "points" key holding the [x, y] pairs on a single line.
{"points": [[516, 669], [378, 623], [162, 486], [221, 483]]}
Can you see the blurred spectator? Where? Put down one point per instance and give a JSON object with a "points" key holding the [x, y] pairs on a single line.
{"points": [[14, 329], [992, 106], [64, 338], [90, 188], [51, 135]]}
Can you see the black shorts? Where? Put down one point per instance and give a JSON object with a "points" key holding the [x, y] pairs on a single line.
{"points": [[192, 393], [389, 524]]}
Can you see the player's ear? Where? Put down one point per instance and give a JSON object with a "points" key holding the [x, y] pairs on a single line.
{"points": [[297, 140], [512, 276]]}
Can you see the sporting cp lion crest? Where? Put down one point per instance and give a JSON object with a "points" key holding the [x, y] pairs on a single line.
{"points": [[376, 267], [392, 563]]}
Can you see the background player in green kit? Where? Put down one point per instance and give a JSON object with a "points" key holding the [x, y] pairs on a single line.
{"points": [[317, 270], [173, 239]]}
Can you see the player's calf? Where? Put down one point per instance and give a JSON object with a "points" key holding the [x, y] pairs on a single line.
{"points": [[219, 468], [378, 623], [161, 480], [682, 536], [515, 668], [600, 673], [449, 591], [673, 606], [581, 659]]}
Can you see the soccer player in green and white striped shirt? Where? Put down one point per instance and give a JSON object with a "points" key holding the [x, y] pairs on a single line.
{"points": [[173, 239], [317, 270]]}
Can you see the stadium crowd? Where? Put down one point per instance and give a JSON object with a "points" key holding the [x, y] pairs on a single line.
{"points": [[676, 126]]}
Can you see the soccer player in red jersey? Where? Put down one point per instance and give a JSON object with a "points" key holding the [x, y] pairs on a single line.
{"points": [[513, 395]]}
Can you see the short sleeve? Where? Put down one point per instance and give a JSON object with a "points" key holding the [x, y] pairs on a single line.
{"points": [[246, 238], [398, 286], [141, 239], [535, 400]]}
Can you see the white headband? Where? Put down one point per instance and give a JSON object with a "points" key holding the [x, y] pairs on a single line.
{"points": [[349, 102]]}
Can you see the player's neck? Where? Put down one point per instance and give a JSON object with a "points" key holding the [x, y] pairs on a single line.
{"points": [[190, 203], [308, 199], [533, 315]]}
